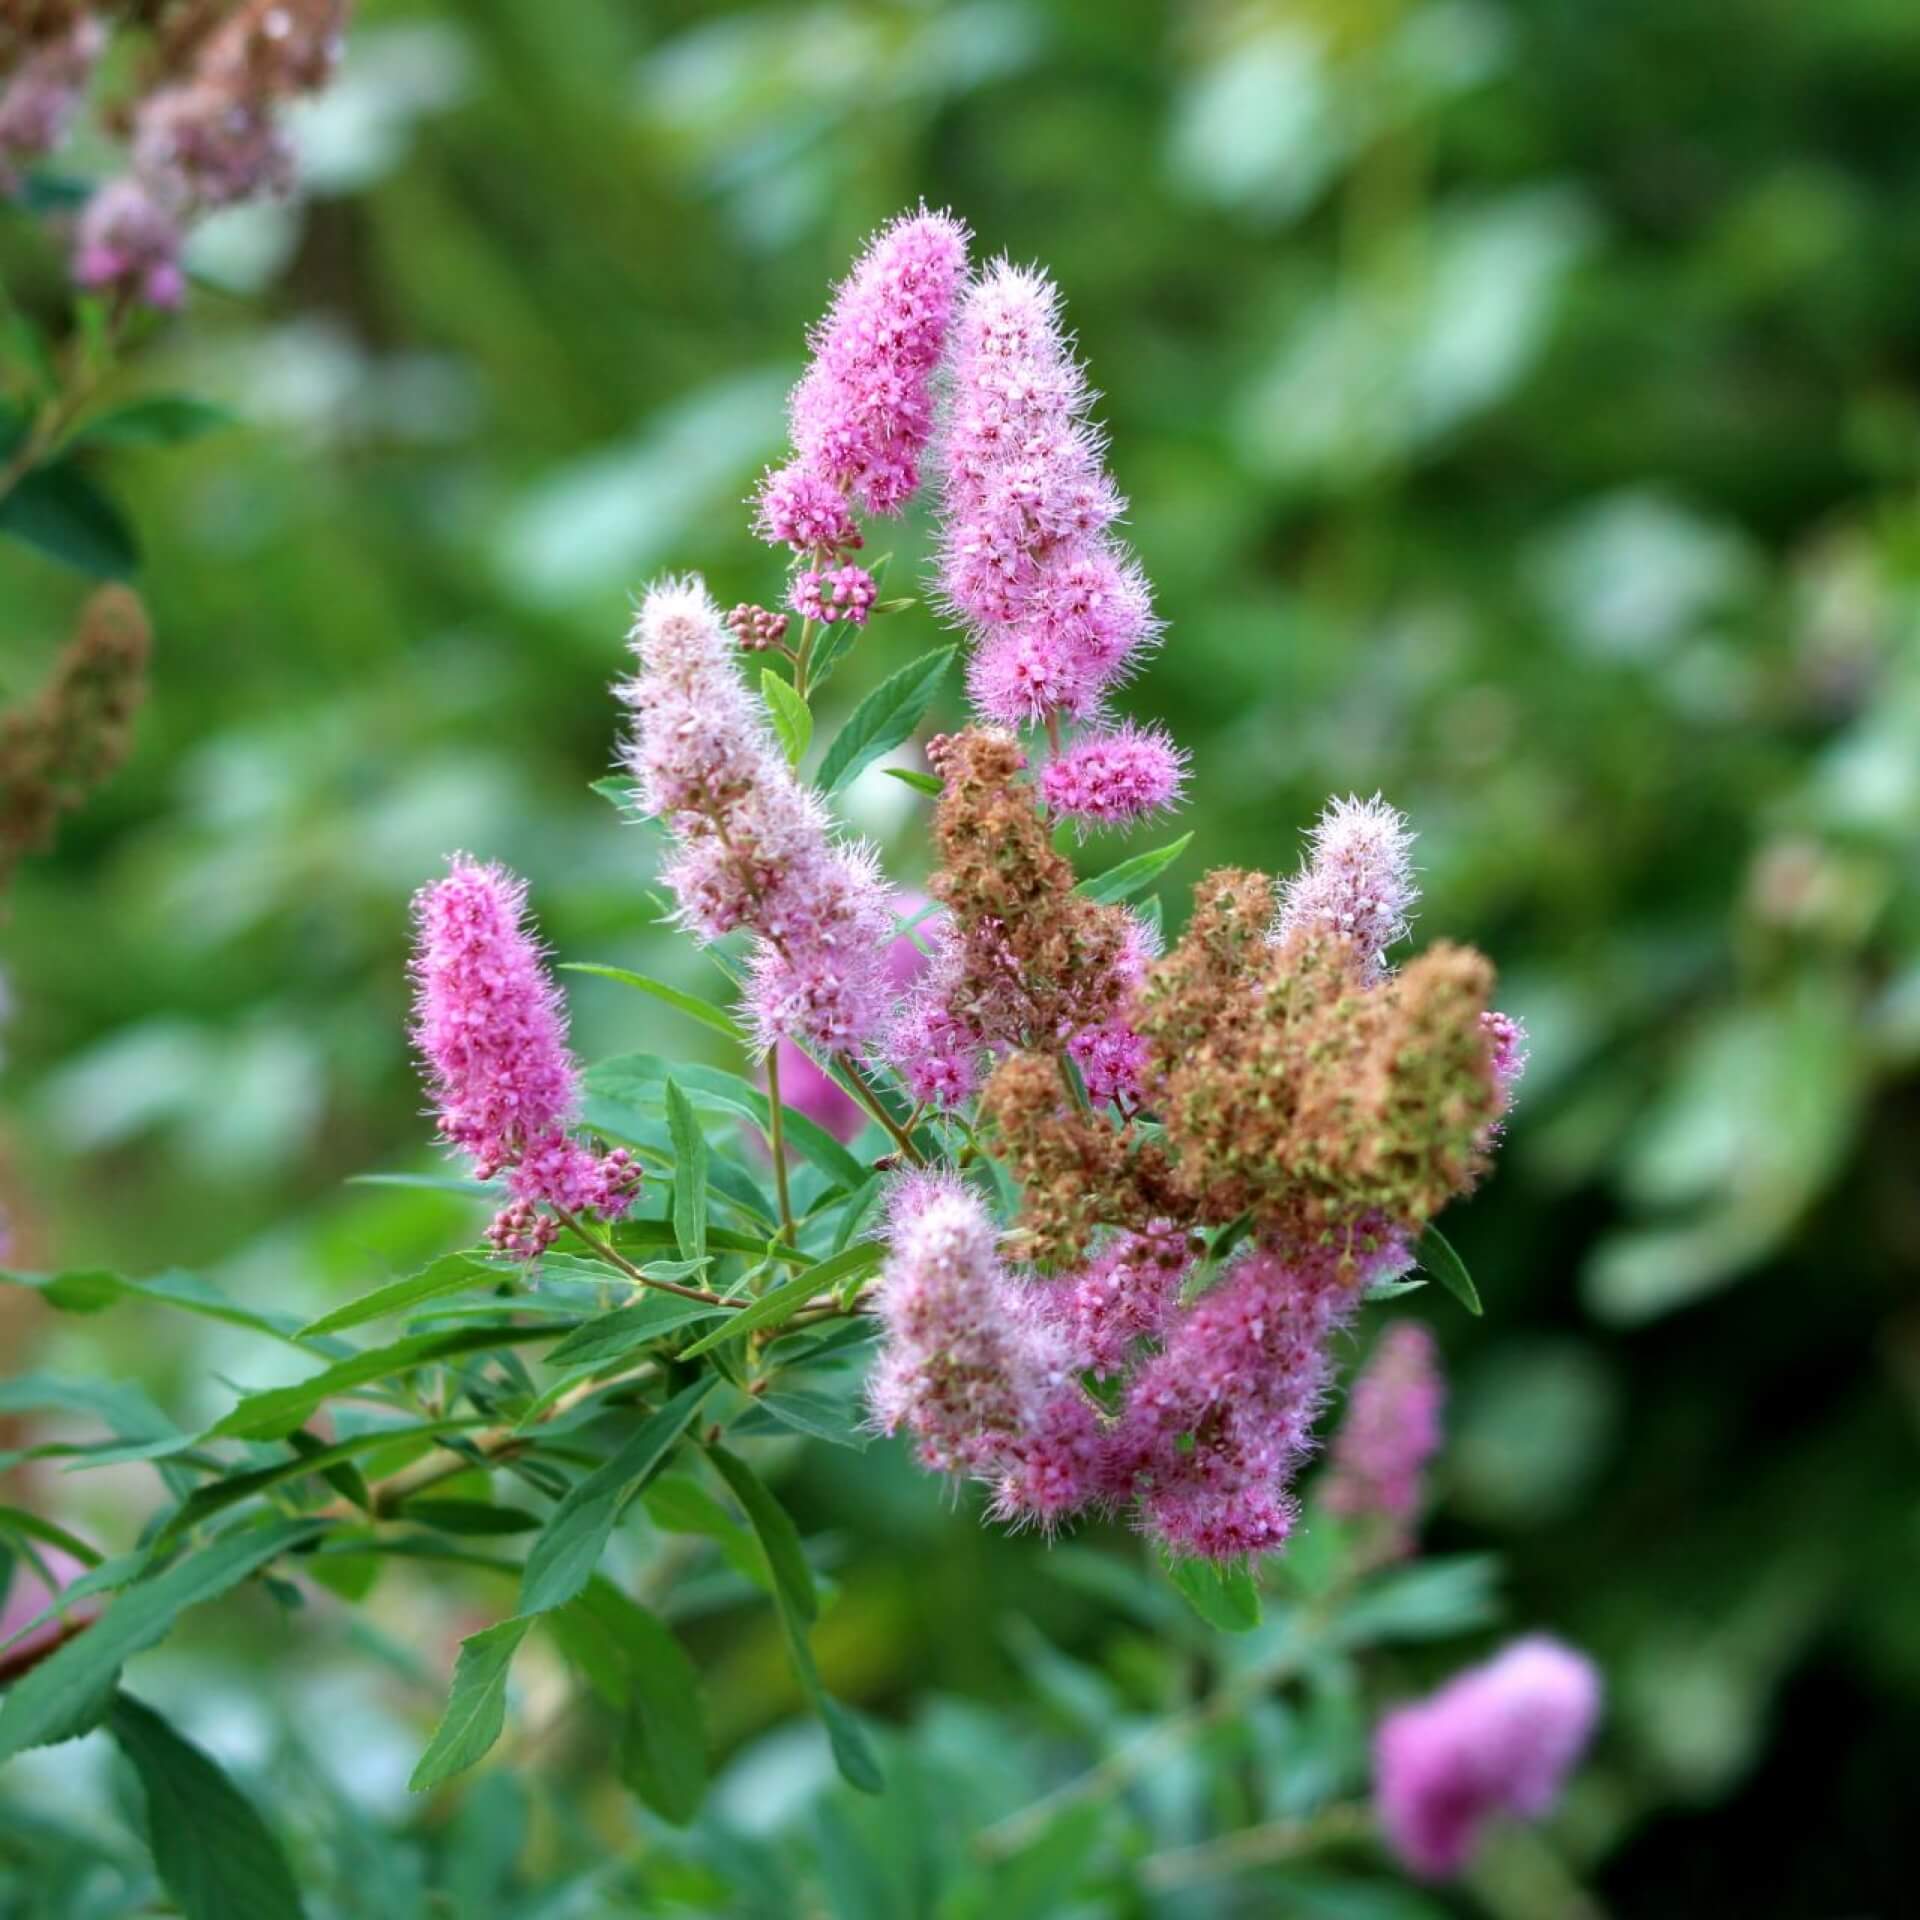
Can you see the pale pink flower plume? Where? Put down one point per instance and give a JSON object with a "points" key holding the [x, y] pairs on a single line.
{"points": [[755, 848], [128, 240], [1497, 1739], [978, 1378], [1358, 882], [490, 1028]]}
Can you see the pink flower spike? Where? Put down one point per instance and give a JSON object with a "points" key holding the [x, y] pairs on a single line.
{"points": [[1058, 611], [863, 412], [1114, 779], [800, 509], [39, 99], [1390, 1432], [490, 1029], [754, 848], [1358, 883], [1509, 1041], [1497, 1739]]}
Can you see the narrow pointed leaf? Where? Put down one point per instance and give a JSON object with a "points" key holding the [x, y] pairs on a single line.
{"points": [[1435, 1253], [476, 1705], [1133, 876], [884, 718]]}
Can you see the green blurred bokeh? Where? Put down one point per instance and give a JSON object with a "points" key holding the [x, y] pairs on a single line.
{"points": [[1520, 406]]}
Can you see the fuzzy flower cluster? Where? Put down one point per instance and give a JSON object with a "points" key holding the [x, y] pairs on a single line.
{"points": [[985, 1387], [1499, 1739], [1359, 884], [207, 133], [755, 847], [1295, 1087], [489, 1026], [1390, 1432], [41, 94], [1059, 611], [863, 412]]}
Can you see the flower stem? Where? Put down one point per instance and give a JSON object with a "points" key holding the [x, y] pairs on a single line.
{"points": [[869, 1099], [614, 1257], [777, 1140]]}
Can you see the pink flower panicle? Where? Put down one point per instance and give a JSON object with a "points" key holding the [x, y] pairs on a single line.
{"points": [[1509, 1037], [215, 138], [1115, 779], [1390, 1432], [807, 1089], [1497, 1739], [1112, 1057], [39, 99], [1124, 1296], [129, 241], [489, 1025], [1359, 882], [837, 593], [1217, 1422], [755, 847], [1059, 611], [863, 411], [978, 1378]]}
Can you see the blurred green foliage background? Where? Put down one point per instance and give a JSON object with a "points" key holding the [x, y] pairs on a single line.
{"points": [[1520, 404]]}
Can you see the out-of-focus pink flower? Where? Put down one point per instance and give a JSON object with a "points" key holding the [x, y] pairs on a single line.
{"points": [[29, 1596], [1358, 882], [129, 241], [1390, 1432], [40, 98], [1497, 1739]]}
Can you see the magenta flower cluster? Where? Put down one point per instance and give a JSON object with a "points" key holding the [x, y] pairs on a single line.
{"points": [[1390, 1431], [863, 412], [1499, 1739], [491, 1031], [755, 848]]}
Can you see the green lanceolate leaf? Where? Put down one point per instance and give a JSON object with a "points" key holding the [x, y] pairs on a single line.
{"points": [[67, 1692], [476, 1705], [449, 1274], [853, 1752], [928, 783], [575, 1536], [779, 1538], [785, 1300], [689, 1004], [689, 1175], [884, 718], [214, 1853], [275, 1413], [656, 1236], [1132, 876], [60, 510], [94, 1289], [636, 1077], [1435, 1253], [640, 1669], [613, 1336], [159, 420], [791, 716], [1224, 1596]]}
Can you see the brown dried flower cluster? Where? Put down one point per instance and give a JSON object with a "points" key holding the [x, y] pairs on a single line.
{"points": [[1033, 961], [57, 747], [1280, 1086]]}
